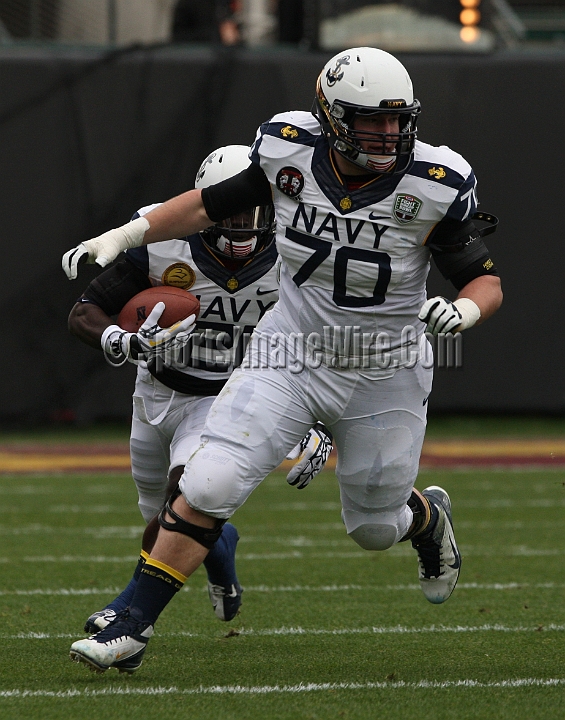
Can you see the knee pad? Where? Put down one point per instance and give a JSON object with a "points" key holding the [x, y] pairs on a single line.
{"points": [[207, 537], [214, 479], [372, 536]]}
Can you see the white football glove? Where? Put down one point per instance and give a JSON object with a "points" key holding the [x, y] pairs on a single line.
{"points": [[311, 454], [443, 316], [440, 315], [106, 247], [149, 342]]}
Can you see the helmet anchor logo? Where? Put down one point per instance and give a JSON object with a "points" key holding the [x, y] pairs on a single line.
{"points": [[334, 75], [206, 162], [367, 81]]}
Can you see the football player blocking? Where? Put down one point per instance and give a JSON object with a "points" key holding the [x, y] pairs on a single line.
{"points": [[175, 389], [362, 207]]}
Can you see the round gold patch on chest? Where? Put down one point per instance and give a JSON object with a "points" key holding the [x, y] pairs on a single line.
{"points": [[179, 275]]}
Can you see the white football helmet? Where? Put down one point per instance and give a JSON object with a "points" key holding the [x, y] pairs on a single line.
{"points": [[367, 81], [240, 236]]}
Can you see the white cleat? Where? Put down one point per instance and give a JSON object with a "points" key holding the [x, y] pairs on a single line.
{"points": [[98, 621], [438, 557], [120, 645], [226, 601]]}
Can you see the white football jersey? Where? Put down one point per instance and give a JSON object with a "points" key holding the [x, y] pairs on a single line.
{"points": [[231, 303], [355, 259]]}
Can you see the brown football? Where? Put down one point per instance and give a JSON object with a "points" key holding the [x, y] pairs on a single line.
{"points": [[179, 304]]}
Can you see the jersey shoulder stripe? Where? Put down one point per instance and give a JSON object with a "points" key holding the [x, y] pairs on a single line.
{"points": [[299, 119], [298, 128], [290, 133], [440, 164], [441, 174]]}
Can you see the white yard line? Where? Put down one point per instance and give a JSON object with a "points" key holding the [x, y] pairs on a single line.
{"points": [[402, 630], [499, 503], [397, 551], [294, 631], [133, 531], [389, 588], [70, 592], [81, 559], [287, 689]]}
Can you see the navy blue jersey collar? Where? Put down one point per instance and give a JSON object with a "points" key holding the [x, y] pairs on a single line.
{"points": [[228, 280], [344, 200]]}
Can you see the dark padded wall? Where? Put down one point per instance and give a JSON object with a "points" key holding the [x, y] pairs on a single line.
{"points": [[485, 108], [87, 138]]}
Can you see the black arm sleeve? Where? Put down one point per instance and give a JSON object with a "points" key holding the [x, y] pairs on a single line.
{"points": [[114, 287], [459, 252], [241, 192]]}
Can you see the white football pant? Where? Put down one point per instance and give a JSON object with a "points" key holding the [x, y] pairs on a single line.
{"points": [[165, 430], [262, 413]]}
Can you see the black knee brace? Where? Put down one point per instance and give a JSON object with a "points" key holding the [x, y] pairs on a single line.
{"points": [[204, 536]]}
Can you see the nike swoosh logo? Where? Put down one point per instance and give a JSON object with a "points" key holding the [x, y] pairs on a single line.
{"points": [[233, 592], [266, 292], [457, 564], [372, 216]]}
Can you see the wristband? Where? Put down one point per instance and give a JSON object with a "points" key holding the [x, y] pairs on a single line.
{"points": [[115, 345], [469, 312]]}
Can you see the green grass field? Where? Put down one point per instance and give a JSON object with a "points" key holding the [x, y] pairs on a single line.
{"points": [[326, 630]]}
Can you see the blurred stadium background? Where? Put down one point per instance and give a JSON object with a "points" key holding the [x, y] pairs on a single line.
{"points": [[108, 105]]}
